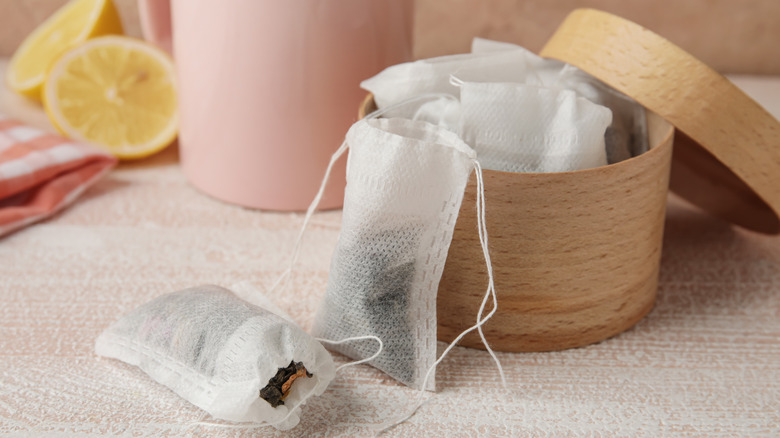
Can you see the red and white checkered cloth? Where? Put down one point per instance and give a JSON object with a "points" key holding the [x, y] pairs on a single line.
{"points": [[41, 173]]}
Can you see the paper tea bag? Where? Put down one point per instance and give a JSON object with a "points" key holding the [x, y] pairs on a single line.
{"points": [[525, 128], [625, 137], [400, 82], [405, 184], [532, 70], [438, 109], [236, 361]]}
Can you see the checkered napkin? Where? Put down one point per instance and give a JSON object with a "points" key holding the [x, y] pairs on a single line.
{"points": [[40, 173]]}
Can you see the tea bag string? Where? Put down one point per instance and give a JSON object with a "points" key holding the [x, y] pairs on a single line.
{"points": [[352, 339], [422, 97], [489, 293], [491, 289], [284, 278], [483, 240]]}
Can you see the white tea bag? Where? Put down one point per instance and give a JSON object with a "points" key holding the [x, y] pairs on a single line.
{"points": [[525, 128], [426, 76], [533, 70], [442, 110], [405, 184], [236, 361], [625, 137]]}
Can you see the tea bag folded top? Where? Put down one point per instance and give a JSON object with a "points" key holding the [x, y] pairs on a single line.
{"points": [[525, 128], [405, 184], [400, 82], [625, 137], [234, 360], [501, 64]]}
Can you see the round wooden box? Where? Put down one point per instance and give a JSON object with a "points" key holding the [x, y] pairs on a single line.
{"points": [[576, 255]]}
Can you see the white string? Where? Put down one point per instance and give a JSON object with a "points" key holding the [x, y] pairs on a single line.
{"points": [[408, 101], [230, 426], [442, 114], [456, 81], [286, 275], [356, 338], [491, 292]]}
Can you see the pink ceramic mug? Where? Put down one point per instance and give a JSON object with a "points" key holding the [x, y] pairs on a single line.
{"points": [[268, 88]]}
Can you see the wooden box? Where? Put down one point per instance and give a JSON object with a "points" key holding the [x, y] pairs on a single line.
{"points": [[576, 255]]}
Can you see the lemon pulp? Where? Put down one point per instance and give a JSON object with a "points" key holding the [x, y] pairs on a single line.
{"points": [[71, 25], [118, 93]]}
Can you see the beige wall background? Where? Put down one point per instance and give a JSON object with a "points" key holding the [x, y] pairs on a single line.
{"points": [[732, 36]]}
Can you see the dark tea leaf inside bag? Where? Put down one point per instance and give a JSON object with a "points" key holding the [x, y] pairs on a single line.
{"points": [[237, 361], [405, 184]]}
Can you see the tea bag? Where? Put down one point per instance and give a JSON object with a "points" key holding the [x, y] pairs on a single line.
{"points": [[533, 70], [400, 82], [405, 184], [234, 360], [442, 110], [625, 137], [525, 128]]}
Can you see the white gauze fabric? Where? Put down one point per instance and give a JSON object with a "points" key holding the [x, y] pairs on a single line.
{"points": [[525, 128], [221, 353], [626, 136], [442, 110], [532, 70], [405, 184], [401, 82]]}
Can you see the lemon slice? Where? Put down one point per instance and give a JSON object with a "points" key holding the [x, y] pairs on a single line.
{"points": [[118, 93], [71, 25]]}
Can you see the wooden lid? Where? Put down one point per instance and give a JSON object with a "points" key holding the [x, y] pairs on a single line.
{"points": [[727, 147]]}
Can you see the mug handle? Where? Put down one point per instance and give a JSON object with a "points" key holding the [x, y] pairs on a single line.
{"points": [[155, 16]]}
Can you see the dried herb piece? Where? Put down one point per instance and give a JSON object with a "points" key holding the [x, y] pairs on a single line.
{"points": [[279, 385]]}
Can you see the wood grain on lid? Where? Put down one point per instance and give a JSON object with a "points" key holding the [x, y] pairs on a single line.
{"points": [[728, 160]]}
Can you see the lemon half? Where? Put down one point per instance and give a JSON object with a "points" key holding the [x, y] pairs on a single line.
{"points": [[74, 23], [115, 92]]}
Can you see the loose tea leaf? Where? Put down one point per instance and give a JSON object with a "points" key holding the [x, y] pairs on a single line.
{"points": [[279, 385]]}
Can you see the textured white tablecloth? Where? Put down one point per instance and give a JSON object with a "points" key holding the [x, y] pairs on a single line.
{"points": [[706, 361]]}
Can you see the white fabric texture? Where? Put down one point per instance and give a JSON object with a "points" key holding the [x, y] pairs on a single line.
{"points": [[504, 63], [442, 111], [627, 134], [529, 68], [217, 352], [405, 184], [525, 128], [404, 81]]}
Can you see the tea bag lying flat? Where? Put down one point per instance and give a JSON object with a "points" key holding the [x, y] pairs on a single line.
{"points": [[236, 361], [525, 128], [405, 184]]}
